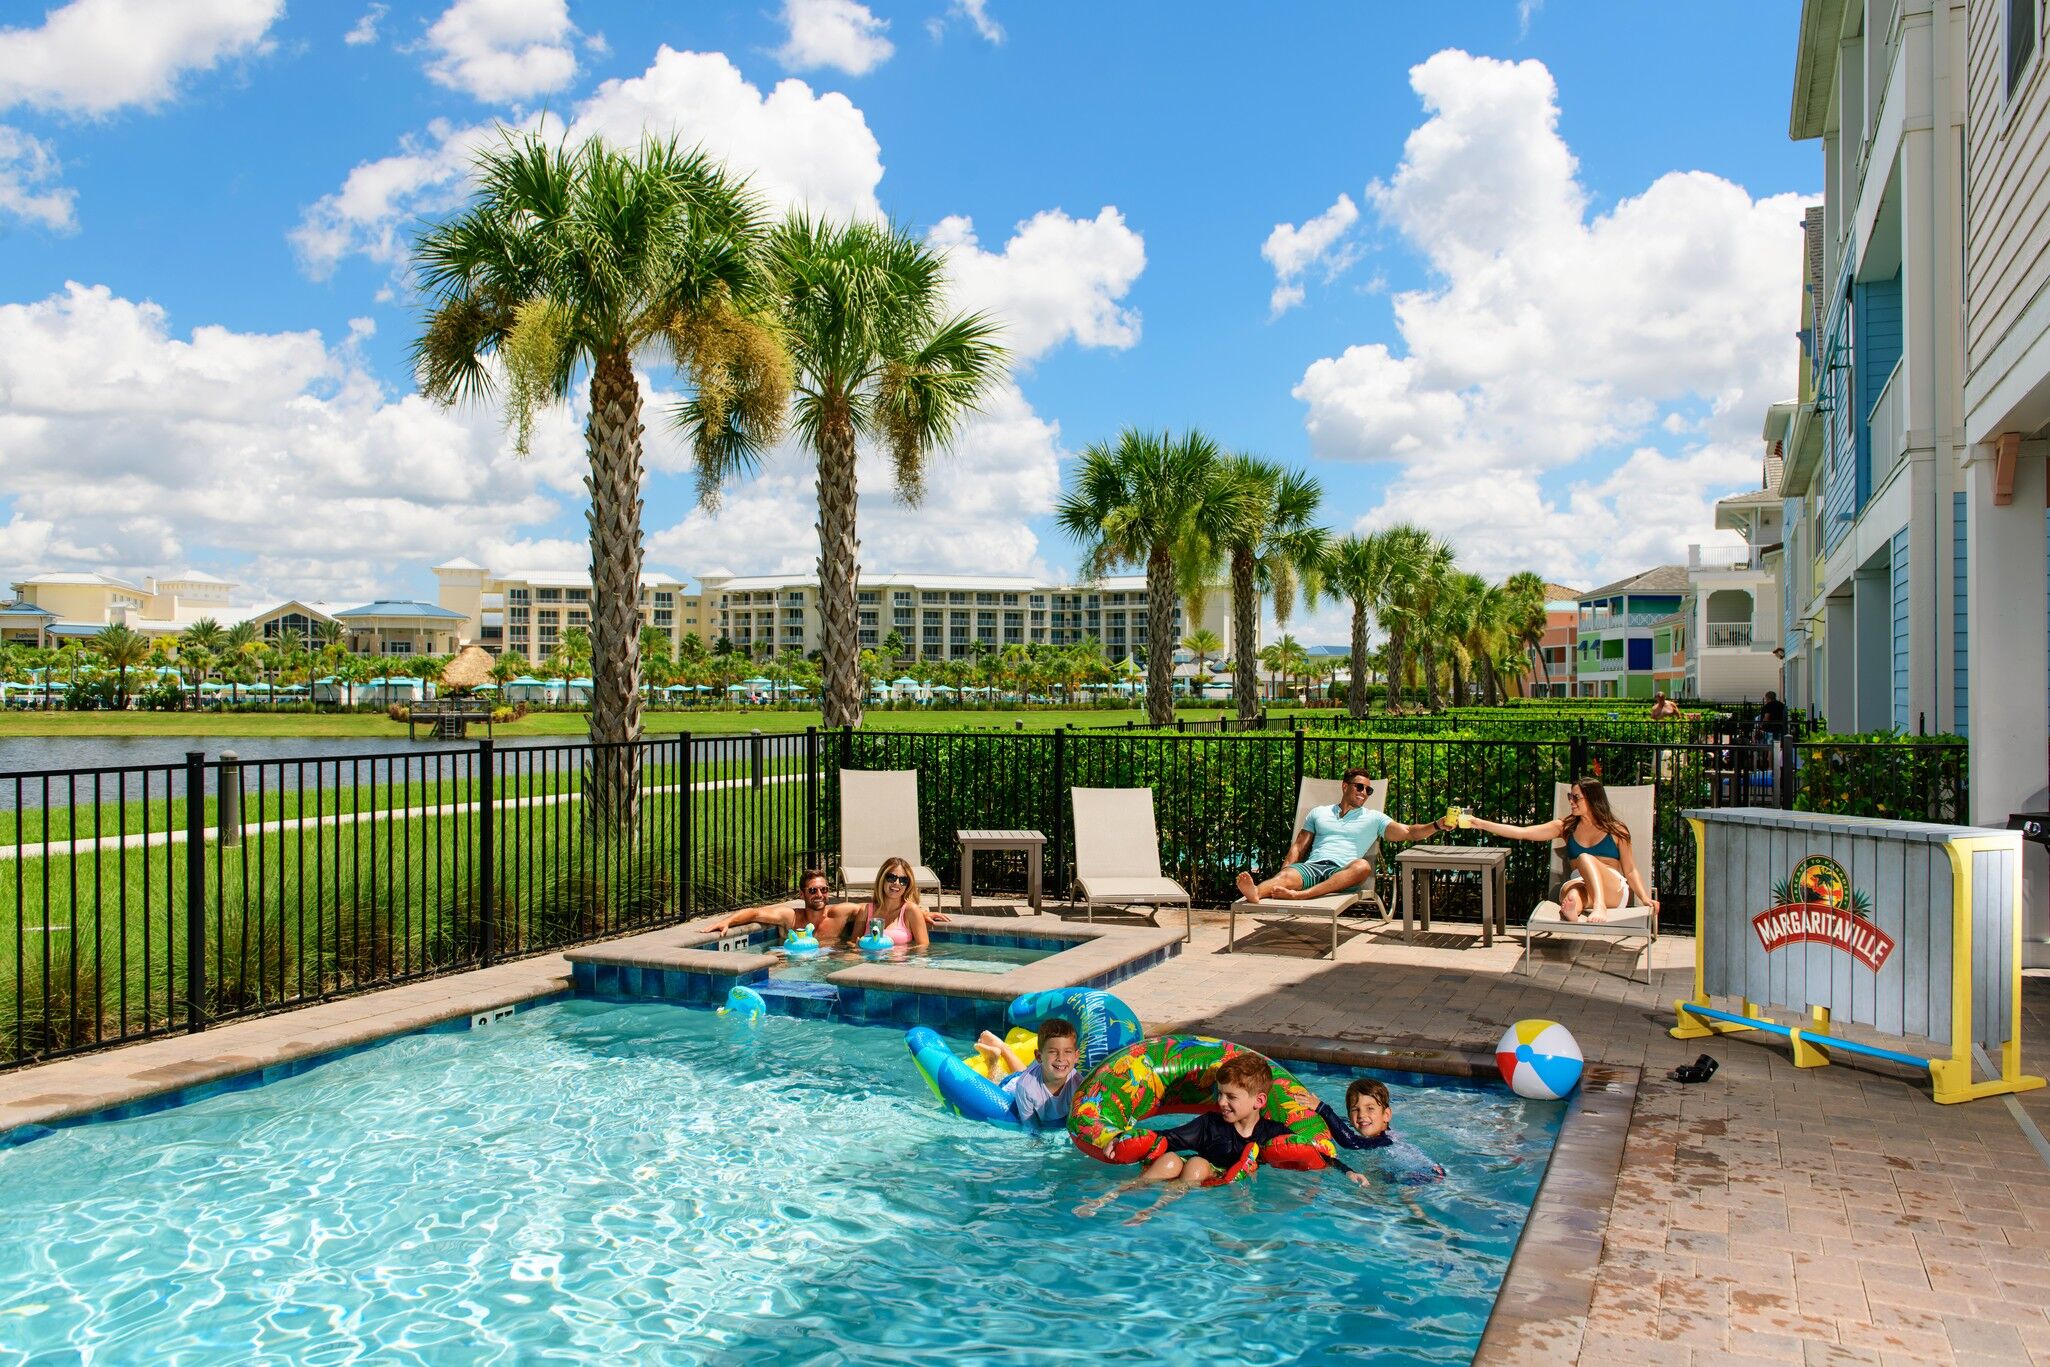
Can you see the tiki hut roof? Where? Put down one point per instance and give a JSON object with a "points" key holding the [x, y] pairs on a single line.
{"points": [[471, 668]]}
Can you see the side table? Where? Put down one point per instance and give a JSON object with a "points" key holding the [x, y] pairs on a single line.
{"points": [[1032, 843], [1421, 861]]}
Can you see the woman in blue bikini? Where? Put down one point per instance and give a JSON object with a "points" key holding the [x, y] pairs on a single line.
{"points": [[1598, 863]]}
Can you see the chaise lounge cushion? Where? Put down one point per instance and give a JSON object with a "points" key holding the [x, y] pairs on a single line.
{"points": [[1545, 919], [862, 880], [1132, 888]]}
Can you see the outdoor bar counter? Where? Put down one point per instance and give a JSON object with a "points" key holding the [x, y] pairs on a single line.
{"points": [[1909, 928]]}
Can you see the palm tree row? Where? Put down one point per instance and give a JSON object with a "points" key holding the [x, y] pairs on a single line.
{"points": [[1188, 513]]}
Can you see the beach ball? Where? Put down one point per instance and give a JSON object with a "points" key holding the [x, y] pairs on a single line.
{"points": [[1539, 1059]]}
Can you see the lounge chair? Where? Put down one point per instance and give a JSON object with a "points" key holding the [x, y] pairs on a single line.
{"points": [[1117, 855], [878, 822], [1318, 792], [1635, 807]]}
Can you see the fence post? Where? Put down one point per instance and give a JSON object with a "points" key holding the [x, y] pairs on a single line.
{"points": [[1296, 730], [811, 797], [1060, 810], [195, 891], [228, 800], [1787, 745], [754, 758], [1576, 752], [683, 782], [487, 847], [846, 747]]}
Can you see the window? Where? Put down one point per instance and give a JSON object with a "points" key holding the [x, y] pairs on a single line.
{"points": [[794, 596], [957, 598], [580, 619], [398, 647], [901, 598], [868, 596], [2021, 40], [578, 595], [665, 599], [868, 619], [548, 595], [515, 595]]}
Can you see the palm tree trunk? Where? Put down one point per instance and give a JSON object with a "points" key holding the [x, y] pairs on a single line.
{"points": [[1428, 652], [1160, 600], [1356, 693], [1398, 670], [612, 441], [837, 569], [1458, 681], [1245, 636]]}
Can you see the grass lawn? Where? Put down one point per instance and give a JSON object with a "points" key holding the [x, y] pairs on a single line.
{"points": [[702, 722]]}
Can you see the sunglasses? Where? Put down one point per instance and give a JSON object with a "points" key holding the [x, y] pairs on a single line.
{"points": [[896, 880], [816, 892], [1573, 797], [1361, 787]]}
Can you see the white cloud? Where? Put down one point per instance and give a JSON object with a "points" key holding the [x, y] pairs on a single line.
{"points": [[1549, 335], [93, 57], [975, 12], [797, 148], [1058, 278], [1294, 250], [26, 167], [841, 34], [143, 446], [365, 30], [1004, 468], [500, 50]]}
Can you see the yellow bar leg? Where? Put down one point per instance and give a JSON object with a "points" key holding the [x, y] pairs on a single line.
{"points": [[1807, 1055]]}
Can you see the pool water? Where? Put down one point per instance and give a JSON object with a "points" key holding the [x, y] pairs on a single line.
{"points": [[955, 957], [642, 1182]]}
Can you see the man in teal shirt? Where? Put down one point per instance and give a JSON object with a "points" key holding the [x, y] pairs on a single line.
{"points": [[1333, 852]]}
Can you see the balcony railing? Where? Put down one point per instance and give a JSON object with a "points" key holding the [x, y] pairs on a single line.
{"points": [[1728, 636], [1889, 424]]}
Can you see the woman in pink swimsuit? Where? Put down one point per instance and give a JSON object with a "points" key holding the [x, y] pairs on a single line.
{"points": [[895, 906]]}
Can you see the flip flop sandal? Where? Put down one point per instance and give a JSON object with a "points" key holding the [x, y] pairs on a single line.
{"points": [[1701, 1070]]}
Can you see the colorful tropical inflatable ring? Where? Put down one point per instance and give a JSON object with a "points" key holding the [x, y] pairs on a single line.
{"points": [[1177, 1074], [962, 1083]]}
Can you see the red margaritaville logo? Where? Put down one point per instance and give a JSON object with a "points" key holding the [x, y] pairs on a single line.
{"points": [[1818, 905]]}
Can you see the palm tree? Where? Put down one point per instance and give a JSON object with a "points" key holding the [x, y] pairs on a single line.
{"points": [[1273, 546], [1202, 643], [1285, 659], [1362, 570], [121, 647], [575, 259], [1526, 617], [1418, 561], [1146, 501], [872, 357]]}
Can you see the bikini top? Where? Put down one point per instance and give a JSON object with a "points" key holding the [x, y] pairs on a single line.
{"points": [[898, 931], [1605, 848]]}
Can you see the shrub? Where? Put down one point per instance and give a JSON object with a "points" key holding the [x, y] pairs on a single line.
{"points": [[398, 711], [1881, 774]]}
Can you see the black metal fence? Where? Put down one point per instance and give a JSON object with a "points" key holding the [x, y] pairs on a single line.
{"points": [[141, 900]]}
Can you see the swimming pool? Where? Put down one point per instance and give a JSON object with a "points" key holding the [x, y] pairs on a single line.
{"points": [[954, 956], [593, 1179]]}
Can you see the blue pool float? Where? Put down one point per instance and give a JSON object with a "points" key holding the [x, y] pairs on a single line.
{"points": [[874, 942], [801, 943], [1102, 1023], [745, 1003]]}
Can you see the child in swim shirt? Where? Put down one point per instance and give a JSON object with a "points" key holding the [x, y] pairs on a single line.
{"points": [[1367, 1104], [1042, 1094]]}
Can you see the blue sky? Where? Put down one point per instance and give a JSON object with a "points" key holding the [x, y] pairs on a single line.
{"points": [[1544, 318]]}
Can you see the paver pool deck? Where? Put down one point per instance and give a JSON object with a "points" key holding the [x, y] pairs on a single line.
{"points": [[1771, 1215]]}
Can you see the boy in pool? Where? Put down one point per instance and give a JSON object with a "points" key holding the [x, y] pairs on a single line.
{"points": [[1041, 1094], [1370, 1113]]}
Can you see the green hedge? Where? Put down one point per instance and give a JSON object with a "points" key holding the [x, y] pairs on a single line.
{"points": [[1883, 774]]}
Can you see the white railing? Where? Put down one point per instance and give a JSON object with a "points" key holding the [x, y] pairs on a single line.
{"points": [[1889, 424], [1728, 636]]}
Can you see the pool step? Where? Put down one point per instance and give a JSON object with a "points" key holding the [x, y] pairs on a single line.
{"points": [[795, 997]]}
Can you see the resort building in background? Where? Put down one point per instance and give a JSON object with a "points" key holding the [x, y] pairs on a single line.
{"points": [[1630, 639], [1552, 658], [51, 609], [1731, 619], [947, 617], [525, 612]]}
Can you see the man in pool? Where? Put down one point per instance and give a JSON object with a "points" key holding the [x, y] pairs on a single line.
{"points": [[815, 909], [1333, 850]]}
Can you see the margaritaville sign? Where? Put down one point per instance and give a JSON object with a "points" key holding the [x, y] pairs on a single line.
{"points": [[1818, 905]]}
